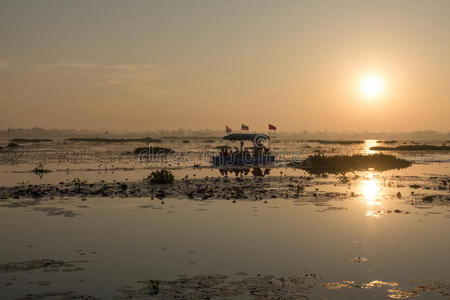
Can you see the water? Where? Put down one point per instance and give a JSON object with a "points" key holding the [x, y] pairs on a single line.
{"points": [[368, 234]]}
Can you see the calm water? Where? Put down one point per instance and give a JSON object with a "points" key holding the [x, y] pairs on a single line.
{"points": [[373, 235]]}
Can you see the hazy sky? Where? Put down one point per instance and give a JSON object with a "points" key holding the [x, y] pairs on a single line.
{"points": [[144, 65]]}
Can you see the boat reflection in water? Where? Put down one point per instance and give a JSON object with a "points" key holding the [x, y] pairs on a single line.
{"points": [[257, 155], [255, 171]]}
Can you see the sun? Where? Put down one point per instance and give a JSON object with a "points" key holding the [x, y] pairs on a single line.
{"points": [[372, 86]]}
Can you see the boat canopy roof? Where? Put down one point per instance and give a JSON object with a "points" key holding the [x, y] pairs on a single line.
{"points": [[245, 136]]}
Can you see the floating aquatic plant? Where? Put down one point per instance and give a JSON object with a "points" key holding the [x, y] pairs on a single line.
{"points": [[390, 142], [20, 140], [40, 169], [79, 184], [106, 140], [338, 142], [337, 164], [413, 148], [161, 177]]}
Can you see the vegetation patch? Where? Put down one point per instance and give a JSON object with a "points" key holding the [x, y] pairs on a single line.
{"points": [[161, 177], [31, 265], [337, 164], [412, 148], [152, 150], [12, 145], [336, 142], [223, 147], [30, 140], [40, 170], [106, 140]]}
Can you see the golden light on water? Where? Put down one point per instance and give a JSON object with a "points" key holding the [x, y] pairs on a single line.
{"points": [[370, 189], [370, 186], [368, 144], [372, 86]]}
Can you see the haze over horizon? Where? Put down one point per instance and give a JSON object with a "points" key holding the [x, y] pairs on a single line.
{"points": [[348, 66]]}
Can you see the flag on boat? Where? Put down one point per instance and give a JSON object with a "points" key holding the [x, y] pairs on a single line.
{"points": [[227, 129], [244, 127], [272, 127]]}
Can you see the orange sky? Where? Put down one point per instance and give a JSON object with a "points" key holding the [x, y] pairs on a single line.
{"points": [[144, 65]]}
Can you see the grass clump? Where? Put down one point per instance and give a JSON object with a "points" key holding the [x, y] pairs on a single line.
{"points": [[152, 150], [413, 148], [79, 184], [40, 170], [30, 140], [106, 140], [12, 145], [341, 164], [336, 142], [161, 177]]}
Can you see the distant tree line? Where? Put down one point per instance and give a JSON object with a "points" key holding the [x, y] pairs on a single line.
{"points": [[37, 132]]}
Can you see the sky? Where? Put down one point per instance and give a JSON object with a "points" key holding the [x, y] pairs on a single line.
{"points": [[146, 65]]}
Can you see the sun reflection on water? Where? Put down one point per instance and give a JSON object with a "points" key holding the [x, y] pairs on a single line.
{"points": [[372, 213], [370, 190], [370, 187], [368, 144]]}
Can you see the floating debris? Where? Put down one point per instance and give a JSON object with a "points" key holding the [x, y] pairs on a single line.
{"points": [[221, 286], [62, 295], [261, 287], [400, 294], [56, 211], [378, 284], [37, 264], [359, 259]]}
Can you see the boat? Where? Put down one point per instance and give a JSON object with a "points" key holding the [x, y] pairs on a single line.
{"points": [[257, 155]]}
